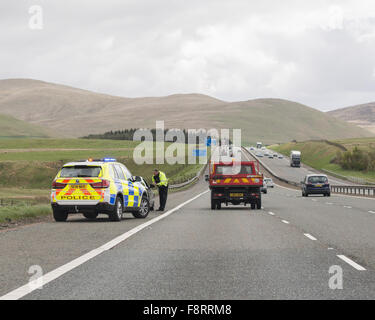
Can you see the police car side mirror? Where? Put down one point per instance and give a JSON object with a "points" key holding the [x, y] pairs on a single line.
{"points": [[135, 179]]}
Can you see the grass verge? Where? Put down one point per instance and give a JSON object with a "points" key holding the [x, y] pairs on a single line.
{"points": [[23, 211]]}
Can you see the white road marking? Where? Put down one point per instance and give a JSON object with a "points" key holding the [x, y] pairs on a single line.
{"points": [[348, 207], [351, 262], [286, 188], [56, 273], [284, 221], [310, 236], [271, 213], [371, 211]]}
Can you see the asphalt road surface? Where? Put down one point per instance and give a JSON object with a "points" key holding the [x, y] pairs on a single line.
{"points": [[284, 251], [282, 168]]}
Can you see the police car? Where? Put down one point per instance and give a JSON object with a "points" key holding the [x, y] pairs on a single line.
{"points": [[104, 186]]}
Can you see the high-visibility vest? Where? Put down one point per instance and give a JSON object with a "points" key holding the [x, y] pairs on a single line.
{"points": [[163, 179]]}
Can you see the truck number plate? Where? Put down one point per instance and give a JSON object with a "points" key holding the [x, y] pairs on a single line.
{"points": [[236, 195]]}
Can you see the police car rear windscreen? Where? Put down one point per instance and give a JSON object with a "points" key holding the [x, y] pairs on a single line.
{"points": [[80, 171]]}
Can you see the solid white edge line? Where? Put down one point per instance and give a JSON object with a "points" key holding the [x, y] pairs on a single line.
{"points": [[307, 235], [58, 272], [351, 262], [284, 221]]}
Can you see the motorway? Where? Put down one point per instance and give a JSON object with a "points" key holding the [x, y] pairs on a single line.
{"points": [[282, 168], [284, 251]]}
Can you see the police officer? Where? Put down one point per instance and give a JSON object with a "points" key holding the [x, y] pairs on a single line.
{"points": [[160, 180]]}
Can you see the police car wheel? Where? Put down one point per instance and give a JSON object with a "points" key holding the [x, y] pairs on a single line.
{"points": [[90, 215], [144, 209], [59, 215], [116, 213]]}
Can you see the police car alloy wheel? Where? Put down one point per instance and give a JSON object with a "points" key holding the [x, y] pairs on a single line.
{"points": [[144, 209]]}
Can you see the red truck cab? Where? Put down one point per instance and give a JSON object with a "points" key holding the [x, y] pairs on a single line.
{"points": [[235, 183]]}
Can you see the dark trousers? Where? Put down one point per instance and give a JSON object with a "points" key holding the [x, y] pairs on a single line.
{"points": [[163, 194]]}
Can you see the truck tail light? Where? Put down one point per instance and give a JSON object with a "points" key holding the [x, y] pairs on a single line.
{"points": [[102, 184], [58, 185]]}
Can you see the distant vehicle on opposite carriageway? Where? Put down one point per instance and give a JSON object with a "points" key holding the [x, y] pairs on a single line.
{"points": [[295, 158]]}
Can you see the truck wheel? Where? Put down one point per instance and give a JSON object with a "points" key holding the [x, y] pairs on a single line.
{"points": [[259, 204], [144, 209], [59, 215], [213, 204], [116, 213], [218, 205], [252, 206], [90, 215]]}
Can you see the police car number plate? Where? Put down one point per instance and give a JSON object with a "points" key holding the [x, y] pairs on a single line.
{"points": [[77, 186]]}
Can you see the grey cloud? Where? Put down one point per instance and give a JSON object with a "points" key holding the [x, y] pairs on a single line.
{"points": [[233, 50]]}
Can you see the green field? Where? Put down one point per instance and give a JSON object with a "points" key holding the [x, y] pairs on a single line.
{"points": [[28, 167], [319, 154], [11, 127]]}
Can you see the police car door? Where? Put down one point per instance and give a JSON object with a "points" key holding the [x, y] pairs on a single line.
{"points": [[130, 192]]}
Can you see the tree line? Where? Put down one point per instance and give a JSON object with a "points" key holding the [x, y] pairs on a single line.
{"points": [[167, 135]]}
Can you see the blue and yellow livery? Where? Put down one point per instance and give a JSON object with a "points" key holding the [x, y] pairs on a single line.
{"points": [[104, 186]]}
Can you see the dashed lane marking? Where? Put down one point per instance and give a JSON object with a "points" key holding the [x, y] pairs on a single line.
{"points": [[351, 262]]}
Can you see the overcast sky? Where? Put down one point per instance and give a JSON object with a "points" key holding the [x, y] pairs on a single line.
{"points": [[318, 52]]}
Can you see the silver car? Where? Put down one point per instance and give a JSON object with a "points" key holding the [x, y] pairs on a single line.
{"points": [[268, 182]]}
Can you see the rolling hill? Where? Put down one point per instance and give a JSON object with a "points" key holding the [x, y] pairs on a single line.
{"points": [[72, 112], [362, 115], [11, 127]]}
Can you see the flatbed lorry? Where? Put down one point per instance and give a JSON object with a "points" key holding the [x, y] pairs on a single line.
{"points": [[235, 183]]}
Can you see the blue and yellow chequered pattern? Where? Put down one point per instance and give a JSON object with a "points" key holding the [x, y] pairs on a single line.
{"points": [[132, 196]]}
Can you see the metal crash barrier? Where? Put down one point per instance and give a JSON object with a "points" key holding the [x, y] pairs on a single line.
{"points": [[368, 191]]}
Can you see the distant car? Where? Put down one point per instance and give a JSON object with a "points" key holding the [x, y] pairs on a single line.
{"points": [[264, 188], [252, 148], [268, 182], [275, 155], [266, 154], [270, 156], [315, 184], [259, 154], [281, 156]]}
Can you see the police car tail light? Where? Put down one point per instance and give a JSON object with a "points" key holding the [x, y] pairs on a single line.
{"points": [[102, 184], [58, 185]]}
